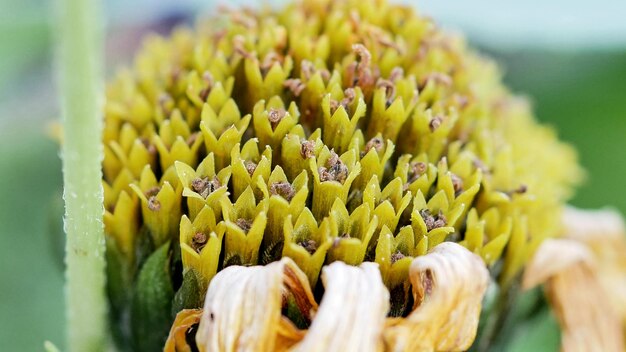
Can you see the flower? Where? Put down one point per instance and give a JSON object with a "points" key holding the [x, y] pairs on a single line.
{"points": [[351, 131]]}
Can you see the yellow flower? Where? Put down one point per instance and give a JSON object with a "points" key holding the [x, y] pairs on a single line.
{"points": [[343, 140]]}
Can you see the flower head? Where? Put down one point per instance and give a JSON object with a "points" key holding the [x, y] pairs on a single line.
{"points": [[351, 130]]}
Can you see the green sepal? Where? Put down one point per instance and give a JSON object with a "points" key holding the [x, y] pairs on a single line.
{"points": [[119, 279], [152, 302], [144, 248], [190, 295]]}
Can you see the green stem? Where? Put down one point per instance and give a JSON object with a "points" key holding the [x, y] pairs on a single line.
{"points": [[81, 51]]}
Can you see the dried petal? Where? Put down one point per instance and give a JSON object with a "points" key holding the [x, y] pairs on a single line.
{"points": [[604, 233], [186, 321], [587, 319], [352, 313], [448, 287], [242, 310]]}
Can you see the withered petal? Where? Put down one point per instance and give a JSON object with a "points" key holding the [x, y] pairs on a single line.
{"points": [[569, 272], [242, 310], [352, 312], [448, 287], [185, 319]]}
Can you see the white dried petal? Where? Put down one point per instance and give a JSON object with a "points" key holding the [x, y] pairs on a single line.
{"points": [[352, 313], [448, 287], [587, 319], [242, 310], [604, 233], [553, 257]]}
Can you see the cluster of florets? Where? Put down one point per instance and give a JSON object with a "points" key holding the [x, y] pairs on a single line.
{"points": [[332, 130]]}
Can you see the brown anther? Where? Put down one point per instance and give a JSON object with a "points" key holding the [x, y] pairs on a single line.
{"points": [[283, 189], [520, 190], [153, 191], [307, 149], [275, 116], [295, 85], [364, 55], [325, 74], [440, 220], [325, 175], [207, 77], [244, 224], [396, 256], [333, 159], [480, 165], [204, 187], [349, 96], [339, 172], [375, 143], [335, 169], [438, 78], [309, 245], [388, 42], [199, 184], [351, 76], [433, 222], [334, 105], [250, 166], [307, 68], [457, 183], [198, 241], [390, 90], [204, 94], [416, 169], [434, 123], [149, 147], [239, 47], [192, 138], [396, 74], [365, 77], [269, 61], [154, 204]]}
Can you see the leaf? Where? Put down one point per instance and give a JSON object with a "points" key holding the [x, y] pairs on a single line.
{"points": [[152, 302]]}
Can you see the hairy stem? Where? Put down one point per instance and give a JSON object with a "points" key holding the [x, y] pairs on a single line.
{"points": [[80, 52]]}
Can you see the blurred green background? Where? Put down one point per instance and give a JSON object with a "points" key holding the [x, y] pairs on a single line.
{"points": [[577, 84]]}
